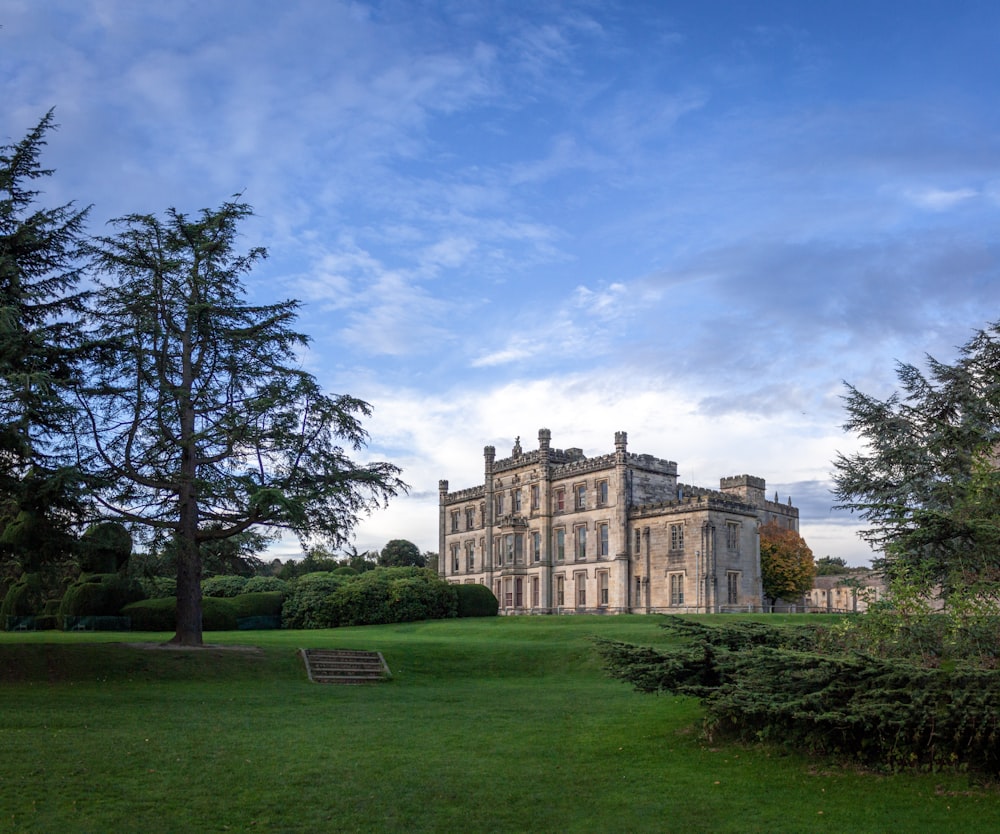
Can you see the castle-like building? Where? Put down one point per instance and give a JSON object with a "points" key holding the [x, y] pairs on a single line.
{"points": [[552, 531]]}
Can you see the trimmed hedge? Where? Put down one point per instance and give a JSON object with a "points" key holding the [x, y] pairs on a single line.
{"points": [[476, 601], [24, 598], [256, 584], [223, 586], [217, 614], [99, 595]]}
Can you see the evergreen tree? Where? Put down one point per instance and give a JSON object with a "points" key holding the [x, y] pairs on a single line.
{"points": [[41, 493], [929, 457], [203, 423]]}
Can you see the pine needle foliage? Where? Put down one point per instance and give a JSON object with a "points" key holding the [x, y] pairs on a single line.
{"points": [[793, 686]]}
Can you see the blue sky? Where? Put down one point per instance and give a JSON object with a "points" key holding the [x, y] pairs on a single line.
{"points": [[692, 221]]}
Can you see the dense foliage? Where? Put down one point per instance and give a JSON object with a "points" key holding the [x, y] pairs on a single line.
{"points": [[202, 423], [223, 586], [476, 601], [41, 486], [786, 563], [100, 595], [401, 553], [384, 595], [821, 692], [926, 479]]}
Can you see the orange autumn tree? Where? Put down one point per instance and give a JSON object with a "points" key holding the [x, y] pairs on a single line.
{"points": [[786, 563]]}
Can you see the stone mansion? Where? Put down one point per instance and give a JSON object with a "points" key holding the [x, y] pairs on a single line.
{"points": [[552, 531]]}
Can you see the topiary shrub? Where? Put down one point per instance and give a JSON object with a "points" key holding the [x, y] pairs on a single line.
{"points": [[152, 614], [257, 584], [25, 598], [476, 601], [223, 586], [260, 604], [105, 547], [217, 614], [99, 595]]}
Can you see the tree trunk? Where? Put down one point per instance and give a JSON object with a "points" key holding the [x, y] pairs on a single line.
{"points": [[188, 591]]}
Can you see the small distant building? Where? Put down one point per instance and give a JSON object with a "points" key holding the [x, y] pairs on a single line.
{"points": [[552, 531], [845, 593]]}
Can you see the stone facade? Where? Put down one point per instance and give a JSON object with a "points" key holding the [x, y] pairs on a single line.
{"points": [[552, 531]]}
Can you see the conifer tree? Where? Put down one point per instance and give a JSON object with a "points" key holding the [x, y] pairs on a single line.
{"points": [[202, 421], [929, 455], [40, 307]]}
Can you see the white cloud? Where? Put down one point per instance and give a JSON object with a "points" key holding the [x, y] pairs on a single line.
{"points": [[938, 199]]}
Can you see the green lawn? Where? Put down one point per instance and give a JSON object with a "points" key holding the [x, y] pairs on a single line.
{"points": [[502, 724]]}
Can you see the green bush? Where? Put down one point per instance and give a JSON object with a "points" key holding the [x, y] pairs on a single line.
{"points": [[259, 604], [476, 601], [256, 584], [105, 547], [157, 587], [223, 586], [99, 595], [758, 682], [310, 602], [25, 598], [383, 595], [158, 614], [421, 597], [217, 614]]}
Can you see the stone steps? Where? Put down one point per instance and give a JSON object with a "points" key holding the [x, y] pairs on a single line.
{"points": [[345, 666]]}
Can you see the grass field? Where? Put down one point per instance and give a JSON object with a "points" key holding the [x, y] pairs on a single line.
{"points": [[492, 725]]}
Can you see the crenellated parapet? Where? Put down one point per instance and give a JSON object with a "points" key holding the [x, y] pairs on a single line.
{"points": [[463, 495], [692, 499]]}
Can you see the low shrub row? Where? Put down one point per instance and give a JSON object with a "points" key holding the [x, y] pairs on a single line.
{"points": [[787, 685], [316, 600]]}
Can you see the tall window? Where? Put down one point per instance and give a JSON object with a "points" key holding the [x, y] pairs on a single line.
{"points": [[519, 592], [560, 500], [470, 556], [454, 521], [560, 544], [535, 497], [677, 589], [470, 518], [581, 543], [536, 546], [517, 501], [732, 587], [676, 536], [534, 592], [581, 590], [638, 542], [602, 538], [602, 588], [508, 597], [454, 558], [602, 493], [499, 504], [581, 497], [732, 535], [560, 590], [496, 590]]}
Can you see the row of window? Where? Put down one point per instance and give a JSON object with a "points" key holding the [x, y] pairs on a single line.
{"points": [[516, 503], [510, 547], [676, 583], [510, 591]]}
